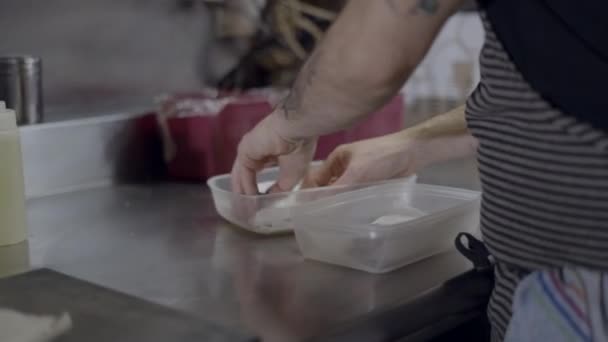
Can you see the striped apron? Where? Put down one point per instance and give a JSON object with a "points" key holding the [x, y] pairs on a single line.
{"points": [[544, 178]]}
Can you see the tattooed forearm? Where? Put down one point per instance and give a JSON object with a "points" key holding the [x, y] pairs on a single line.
{"points": [[428, 7], [292, 105]]}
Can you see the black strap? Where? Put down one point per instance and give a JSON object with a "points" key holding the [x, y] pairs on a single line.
{"points": [[474, 250]]}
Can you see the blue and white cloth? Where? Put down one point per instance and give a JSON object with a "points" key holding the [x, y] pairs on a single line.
{"points": [[560, 305]]}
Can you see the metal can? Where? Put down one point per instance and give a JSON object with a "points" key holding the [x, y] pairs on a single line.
{"points": [[21, 87]]}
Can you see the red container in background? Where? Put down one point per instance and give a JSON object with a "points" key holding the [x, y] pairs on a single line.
{"points": [[194, 158], [234, 121], [202, 132]]}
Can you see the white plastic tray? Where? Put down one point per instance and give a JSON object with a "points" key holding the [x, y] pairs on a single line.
{"points": [[272, 214], [342, 230]]}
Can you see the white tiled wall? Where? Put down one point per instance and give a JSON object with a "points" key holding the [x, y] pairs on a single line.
{"points": [[450, 69]]}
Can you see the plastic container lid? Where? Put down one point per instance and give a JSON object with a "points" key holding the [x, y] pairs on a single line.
{"points": [[8, 119]]}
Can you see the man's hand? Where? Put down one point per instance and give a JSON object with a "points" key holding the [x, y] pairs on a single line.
{"points": [[401, 154], [386, 157], [264, 146], [363, 60]]}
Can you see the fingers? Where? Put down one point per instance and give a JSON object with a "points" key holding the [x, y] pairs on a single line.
{"points": [[244, 174], [249, 160], [321, 175], [293, 167], [243, 180], [249, 181], [235, 176], [349, 177], [291, 171], [343, 170], [332, 168], [262, 147], [258, 148]]}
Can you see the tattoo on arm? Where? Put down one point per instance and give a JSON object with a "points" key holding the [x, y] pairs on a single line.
{"points": [[292, 105], [428, 7]]}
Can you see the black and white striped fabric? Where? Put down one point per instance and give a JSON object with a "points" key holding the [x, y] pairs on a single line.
{"points": [[544, 177]]}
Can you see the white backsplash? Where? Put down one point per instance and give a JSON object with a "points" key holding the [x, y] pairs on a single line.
{"points": [[449, 71]]}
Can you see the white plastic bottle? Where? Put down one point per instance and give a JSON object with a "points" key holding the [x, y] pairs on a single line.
{"points": [[12, 197]]}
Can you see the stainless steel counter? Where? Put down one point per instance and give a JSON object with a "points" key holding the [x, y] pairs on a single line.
{"points": [[166, 244]]}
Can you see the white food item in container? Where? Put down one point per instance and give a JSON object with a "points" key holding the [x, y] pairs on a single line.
{"points": [[405, 214], [277, 217], [388, 220], [263, 187]]}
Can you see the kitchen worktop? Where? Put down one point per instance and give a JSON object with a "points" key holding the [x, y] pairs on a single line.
{"points": [[166, 244]]}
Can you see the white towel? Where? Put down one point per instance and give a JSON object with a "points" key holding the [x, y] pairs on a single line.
{"points": [[20, 327]]}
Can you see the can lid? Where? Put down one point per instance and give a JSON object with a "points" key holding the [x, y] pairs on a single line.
{"points": [[8, 120], [24, 60]]}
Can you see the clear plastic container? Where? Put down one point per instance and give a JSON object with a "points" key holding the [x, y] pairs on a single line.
{"points": [[271, 214], [381, 229]]}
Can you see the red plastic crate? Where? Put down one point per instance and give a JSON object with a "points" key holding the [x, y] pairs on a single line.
{"points": [[206, 142], [234, 121], [193, 139]]}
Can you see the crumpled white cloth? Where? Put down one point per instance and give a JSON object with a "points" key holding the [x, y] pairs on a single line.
{"points": [[19, 327]]}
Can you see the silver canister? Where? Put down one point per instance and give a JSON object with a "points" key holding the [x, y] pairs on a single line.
{"points": [[21, 87]]}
